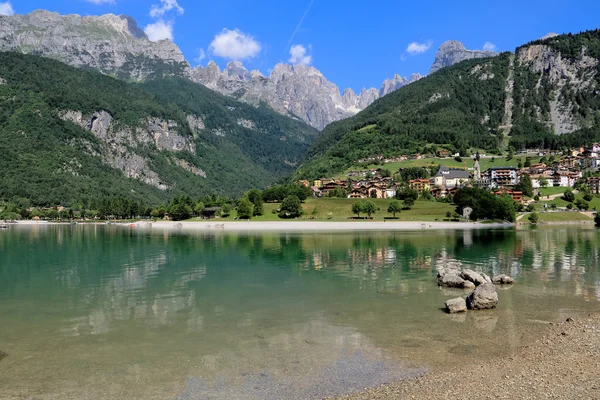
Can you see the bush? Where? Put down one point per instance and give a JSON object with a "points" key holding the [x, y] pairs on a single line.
{"points": [[582, 204], [533, 218], [588, 197], [408, 203], [291, 207], [569, 196], [245, 209], [597, 220]]}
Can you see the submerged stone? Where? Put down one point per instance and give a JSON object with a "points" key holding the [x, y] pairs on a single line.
{"points": [[457, 305], [503, 280]]}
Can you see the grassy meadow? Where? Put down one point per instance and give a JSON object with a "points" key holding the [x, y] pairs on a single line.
{"points": [[341, 209], [467, 162]]}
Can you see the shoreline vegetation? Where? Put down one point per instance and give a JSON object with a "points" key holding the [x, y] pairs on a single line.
{"points": [[561, 364]]}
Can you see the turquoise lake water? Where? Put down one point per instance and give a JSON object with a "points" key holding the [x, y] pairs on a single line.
{"points": [[116, 313]]}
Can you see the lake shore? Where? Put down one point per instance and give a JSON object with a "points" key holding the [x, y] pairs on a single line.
{"points": [[561, 364], [316, 226]]}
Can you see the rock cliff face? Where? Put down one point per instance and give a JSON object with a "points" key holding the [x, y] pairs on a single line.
{"points": [[109, 43], [115, 45], [452, 52], [120, 142], [560, 80]]}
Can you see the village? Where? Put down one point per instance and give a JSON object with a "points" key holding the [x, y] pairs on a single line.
{"points": [[553, 169]]}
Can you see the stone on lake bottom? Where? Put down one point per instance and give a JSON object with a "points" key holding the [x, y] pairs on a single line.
{"points": [[503, 280], [483, 297], [457, 305]]}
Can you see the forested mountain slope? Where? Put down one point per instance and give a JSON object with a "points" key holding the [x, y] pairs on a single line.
{"points": [[71, 135], [545, 95]]}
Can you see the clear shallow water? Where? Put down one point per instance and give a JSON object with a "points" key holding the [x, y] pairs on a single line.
{"points": [[107, 312]]}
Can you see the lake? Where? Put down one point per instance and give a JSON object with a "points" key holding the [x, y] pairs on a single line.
{"points": [[111, 312]]}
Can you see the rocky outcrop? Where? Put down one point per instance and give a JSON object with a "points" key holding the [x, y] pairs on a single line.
{"points": [[391, 85], [196, 124], [109, 43], [483, 297], [188, 166], [452, 52], [561, 75], [120, 142], [457, 305]]}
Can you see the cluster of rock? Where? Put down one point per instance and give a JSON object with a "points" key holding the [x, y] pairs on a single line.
{"points": [[483, 296]]}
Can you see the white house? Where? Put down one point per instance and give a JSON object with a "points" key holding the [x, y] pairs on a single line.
{"points": [[504, 176], [451, 178]]}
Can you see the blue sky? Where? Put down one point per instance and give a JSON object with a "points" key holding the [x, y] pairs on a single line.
{"points": [[354, 43]]}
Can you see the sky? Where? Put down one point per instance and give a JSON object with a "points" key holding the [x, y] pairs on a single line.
{"points": [[353, 43]]}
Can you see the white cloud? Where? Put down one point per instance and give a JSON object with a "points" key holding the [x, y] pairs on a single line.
{"points": [[489, 46], [298, 55], [100, 2], [159, 10], [235, 45], [6, 9], [159, 30], [201, 56], [418, 48]]}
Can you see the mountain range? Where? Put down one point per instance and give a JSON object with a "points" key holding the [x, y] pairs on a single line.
{"points": [[115, 45]]}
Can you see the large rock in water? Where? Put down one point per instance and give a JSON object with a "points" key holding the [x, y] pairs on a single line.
{"points": [[472, 276], [451, 278], [483, 297], [3, 355], [457, 305]]}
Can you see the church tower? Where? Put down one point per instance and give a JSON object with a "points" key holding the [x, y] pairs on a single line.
{"points": [[477, 171]]}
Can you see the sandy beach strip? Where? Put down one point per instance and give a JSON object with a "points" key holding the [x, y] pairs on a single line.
{"points": [[313, 226], [562, 364]]}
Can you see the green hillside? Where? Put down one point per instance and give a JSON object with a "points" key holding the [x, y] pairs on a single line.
{"points": [[52, 160], [551, 96], [447, 107]]}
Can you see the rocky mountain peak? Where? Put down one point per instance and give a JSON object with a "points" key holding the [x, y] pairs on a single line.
{"points": [[236, 70], [549, 36], [109, 43], [123, 24], [452, 52]]}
